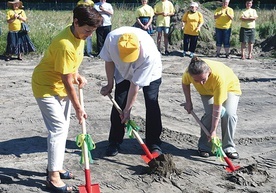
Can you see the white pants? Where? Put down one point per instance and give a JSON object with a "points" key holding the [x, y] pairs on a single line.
{"points": [[56, 114], [228, 122]]}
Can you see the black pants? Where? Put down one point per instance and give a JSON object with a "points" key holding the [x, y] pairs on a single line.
{"points": [[190, 43], [153, 114], [101, 33]]}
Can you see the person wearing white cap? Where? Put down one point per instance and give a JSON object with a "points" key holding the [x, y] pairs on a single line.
{"points": [[133, 62], [223, 16], [192, 21]]}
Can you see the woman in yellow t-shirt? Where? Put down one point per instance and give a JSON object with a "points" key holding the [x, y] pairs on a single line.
{"points": [[247, 30], [144, 16], [220, 91], [53, 82], [192, 21], [18, 42], [223, 16]]}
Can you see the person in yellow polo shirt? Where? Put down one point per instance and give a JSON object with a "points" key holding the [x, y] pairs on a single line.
{"points": [[163, 10], [247, 30], [53, 82], [220, 91], [192, 21], [144, 16], [223, 16], [18, 42]]}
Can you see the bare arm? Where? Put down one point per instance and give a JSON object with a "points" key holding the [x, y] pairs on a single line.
{"points": [[215, 119], [68, 81], [109, 69], [187, 93]]}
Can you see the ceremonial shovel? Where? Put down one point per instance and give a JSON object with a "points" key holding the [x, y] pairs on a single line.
{"points": [[88, 187], [149, 158], [231, 167]]}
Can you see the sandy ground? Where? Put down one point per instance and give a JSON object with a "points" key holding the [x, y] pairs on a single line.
{"points": [[23, 156]]}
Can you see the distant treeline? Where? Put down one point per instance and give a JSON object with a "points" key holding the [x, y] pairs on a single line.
{"points": [[139, 1]]}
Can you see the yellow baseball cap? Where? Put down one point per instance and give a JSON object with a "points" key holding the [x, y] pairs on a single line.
{"points": [[129, 47]]}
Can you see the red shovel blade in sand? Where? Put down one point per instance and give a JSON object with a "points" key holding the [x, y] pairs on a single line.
{"points": [[231, 167], [88, 187], [149, 158]]}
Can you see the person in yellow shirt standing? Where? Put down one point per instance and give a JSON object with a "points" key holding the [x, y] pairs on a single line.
{"points": [[247, 30], [192, 22], [164, 9], [53, 81], [220, 91], [223, 16], [144, 16], [18, 42]]}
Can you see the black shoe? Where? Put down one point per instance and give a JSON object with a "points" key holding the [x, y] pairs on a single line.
{"points": [[112, 150], [203, 153], [155, 148], [167, 53]]}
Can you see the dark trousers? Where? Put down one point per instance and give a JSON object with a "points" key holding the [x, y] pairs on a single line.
{"points": [[189, 43], [101, 33], [153, 114]]}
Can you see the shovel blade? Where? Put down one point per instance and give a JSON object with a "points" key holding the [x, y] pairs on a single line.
{"points": [[231, 167], [228, 169], [147, 159], [95, 188]]}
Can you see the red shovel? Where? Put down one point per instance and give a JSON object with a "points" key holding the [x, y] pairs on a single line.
{"points": [[149, 158], [231, 167], [88, 187]]}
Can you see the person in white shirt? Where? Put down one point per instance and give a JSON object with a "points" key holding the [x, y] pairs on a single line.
{"points": [[134, 62], [106, 10]]}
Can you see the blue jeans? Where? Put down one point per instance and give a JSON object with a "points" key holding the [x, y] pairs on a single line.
{"points": [[189, 43], [223, 37], [153, 114]]}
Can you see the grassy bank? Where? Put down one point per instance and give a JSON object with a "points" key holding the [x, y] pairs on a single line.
{"points": [[46, 24]]}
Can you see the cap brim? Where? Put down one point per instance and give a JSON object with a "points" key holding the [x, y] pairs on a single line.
{"points": [[132, 57]]}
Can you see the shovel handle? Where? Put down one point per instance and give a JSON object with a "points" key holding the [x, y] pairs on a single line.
{"points": [[83, 125], [115, 103], [201, 124], [82, 105]]}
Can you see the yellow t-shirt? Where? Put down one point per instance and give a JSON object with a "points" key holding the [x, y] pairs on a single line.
{"points": [[192, 20], [249, 13], [144, 11], [224, 22], [166, 7], [63, 56], [16, 24], [88, 2], [221, 81]]}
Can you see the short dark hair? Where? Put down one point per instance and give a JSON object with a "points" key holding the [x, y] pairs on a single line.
{"points": [[197, 66], [87, 15]]}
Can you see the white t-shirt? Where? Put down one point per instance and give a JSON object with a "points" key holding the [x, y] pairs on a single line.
{"points": [[106, 17], [148, 66]]}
